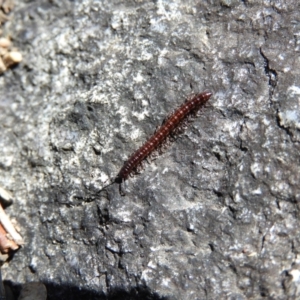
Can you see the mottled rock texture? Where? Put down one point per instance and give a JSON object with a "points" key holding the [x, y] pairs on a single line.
{"points": [[214, 217]]}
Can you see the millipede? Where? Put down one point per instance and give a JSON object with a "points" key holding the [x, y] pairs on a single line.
{"points": [[162, 134]]}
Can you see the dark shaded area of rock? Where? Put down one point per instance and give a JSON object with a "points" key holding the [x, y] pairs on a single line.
{"points": [[33, 291], [214, 217]]}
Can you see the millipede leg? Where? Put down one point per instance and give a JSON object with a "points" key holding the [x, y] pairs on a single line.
{"points": [[121, 190], [139, 169], [154, 155], [142, 166]]}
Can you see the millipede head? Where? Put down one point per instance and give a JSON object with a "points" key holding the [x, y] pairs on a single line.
{"points": [[119, 180], [205, 96]]}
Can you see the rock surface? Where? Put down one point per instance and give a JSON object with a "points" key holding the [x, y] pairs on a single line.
{"points": [[33, 291], [217, 215]]}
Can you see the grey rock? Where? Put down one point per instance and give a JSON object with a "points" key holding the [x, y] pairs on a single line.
{"points": [[33, 291]]}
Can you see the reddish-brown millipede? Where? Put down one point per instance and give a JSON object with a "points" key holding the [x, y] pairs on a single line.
{"points": [[157, 139]]}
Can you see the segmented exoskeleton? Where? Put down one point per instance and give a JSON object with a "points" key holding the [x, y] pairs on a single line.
{"points": [[157, 139]]}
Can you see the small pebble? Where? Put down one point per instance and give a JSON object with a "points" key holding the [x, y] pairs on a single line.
{"points": [[12, 58], [4, 42]]}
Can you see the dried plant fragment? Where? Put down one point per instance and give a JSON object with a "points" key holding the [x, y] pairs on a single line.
{"points": [[3, 17], [10, 239], [6, 5], [6, 196], [8, 55], [12, 58], [10, 229], [6, 244]]}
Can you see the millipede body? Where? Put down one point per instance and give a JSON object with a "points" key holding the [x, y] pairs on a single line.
{"points": [[161, 135]]}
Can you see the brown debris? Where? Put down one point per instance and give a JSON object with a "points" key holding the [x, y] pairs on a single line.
{"points": [[9, 229], [8, 55], [11, 58], [7, 5], [6, 196], [3, 17], [10, 239], [6, 244]]}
